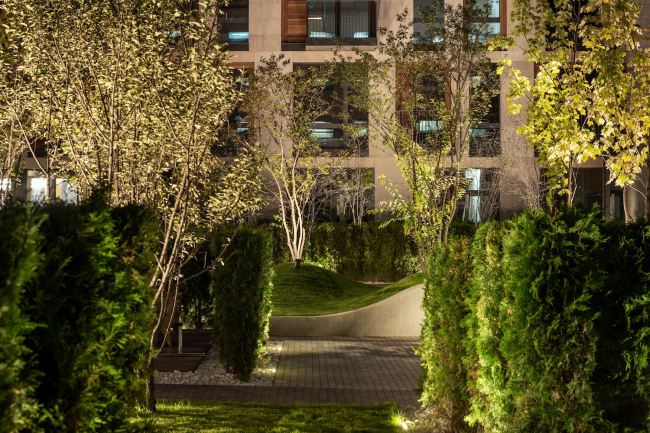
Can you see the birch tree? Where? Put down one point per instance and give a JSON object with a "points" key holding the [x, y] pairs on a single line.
{"points": [[135, 92], [284, 105]]}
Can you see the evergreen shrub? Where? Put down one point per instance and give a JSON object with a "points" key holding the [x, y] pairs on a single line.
{"points": [[554, 269], [551, 322], [20, 245], [442, 343], [241, 293], [368, 252], [88, 301]]}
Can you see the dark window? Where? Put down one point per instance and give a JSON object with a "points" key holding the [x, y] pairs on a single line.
{"points": [[352, 21], [485, 139], [235, 134], [423, 7], [577, 17], [233, 25], [344, 129]]}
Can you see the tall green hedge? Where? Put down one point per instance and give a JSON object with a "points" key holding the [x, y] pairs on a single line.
{"points": [[555, 331], [442, 347], [19, 244], [88, 303], [241, 292], [368, 252]]}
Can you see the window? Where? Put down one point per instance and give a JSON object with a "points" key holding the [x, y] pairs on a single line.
{"points": [[349, 20], [236, 133], [233, 25], [429, 106], [420, 28], [345, 128], [38, 188], [496, 17], [481, 199], [485, 138], [66, 191]]}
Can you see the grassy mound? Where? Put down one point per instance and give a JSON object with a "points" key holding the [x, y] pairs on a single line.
{"points": [[314, 291]]}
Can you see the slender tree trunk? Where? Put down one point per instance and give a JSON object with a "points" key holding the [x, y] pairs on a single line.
{"points": [[569, 197], [647, 189], [151, 394], [627, 218]]}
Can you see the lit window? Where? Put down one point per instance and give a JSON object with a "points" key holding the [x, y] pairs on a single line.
{"points": [[38, 186], [66, 191]]}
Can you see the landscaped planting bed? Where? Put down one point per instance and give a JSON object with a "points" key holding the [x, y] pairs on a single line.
{"points": [[212, 372]]}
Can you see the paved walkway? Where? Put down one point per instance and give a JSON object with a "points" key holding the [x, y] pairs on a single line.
{"points": [[326, 370]]}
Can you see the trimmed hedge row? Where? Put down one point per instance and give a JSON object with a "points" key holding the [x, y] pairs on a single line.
{"points": [[75, 297], [540, 324], [241, 292], [364, 253]]}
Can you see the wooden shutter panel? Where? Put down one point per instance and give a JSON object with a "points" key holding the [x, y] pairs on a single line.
{"points": [[294, 21]]}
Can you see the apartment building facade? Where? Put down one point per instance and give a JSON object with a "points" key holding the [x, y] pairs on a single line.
{"points": [[307, 32]]}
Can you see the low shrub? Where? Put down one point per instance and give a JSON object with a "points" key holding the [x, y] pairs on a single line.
{"points": [[88, 300], [241, 293]]}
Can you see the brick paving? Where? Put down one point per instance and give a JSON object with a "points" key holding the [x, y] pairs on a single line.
{"points": [[326, 370]]}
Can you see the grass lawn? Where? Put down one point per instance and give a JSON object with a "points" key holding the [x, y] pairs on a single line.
{"points": [[217, 417], [313, 291]]}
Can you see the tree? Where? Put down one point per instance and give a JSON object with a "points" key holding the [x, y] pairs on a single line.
{"points": [[428, 91], [589, 96], [284, 106], [134, 92], [354, 185]]}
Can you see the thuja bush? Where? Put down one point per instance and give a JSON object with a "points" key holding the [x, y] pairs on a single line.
{"points": [[443, 340], [553, 270], [488, 305], [621, 381], [370, 252], [241, 292], [555, 333], [20, 246], [87, 300]]}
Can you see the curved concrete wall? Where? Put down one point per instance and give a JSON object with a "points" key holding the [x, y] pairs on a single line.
{"points": [[400, 315]]}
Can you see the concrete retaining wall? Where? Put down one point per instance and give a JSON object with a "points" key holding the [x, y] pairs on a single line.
{"points": [[400, 315]]}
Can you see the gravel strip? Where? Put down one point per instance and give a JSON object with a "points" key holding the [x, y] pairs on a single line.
{"points": [[211, 372]]}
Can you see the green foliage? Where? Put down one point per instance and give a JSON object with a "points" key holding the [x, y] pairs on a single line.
{"points": [[197, 302], [620, 380], [313, 291], [550, 322], [553, 266], [20, 246], [241, 294], [88, 300], [484, 330], [231, 417], [369, 252], [443, 335]]}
